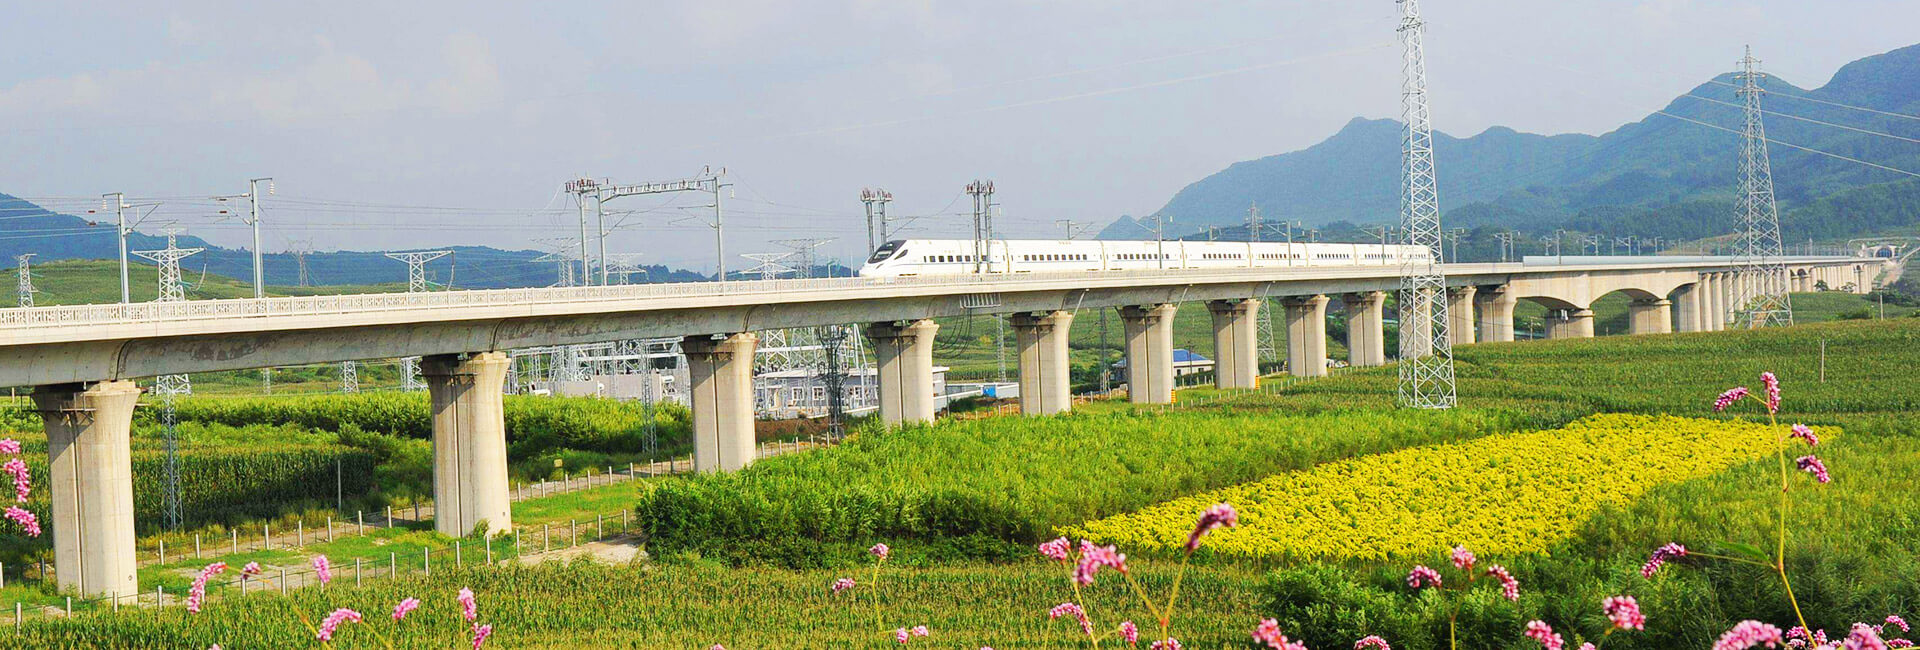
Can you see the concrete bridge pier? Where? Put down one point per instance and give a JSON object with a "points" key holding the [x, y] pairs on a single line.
{"points": [[903, 353], [720, 387], [1650, 316], [1460, 320], [1570, 324], [1149, 330], [1716, 302], [1496, 315], [469, 442], [1307, 336], [90, 468], [1046, 378], [1686, 304], [1236, 343], [1366, 328]]}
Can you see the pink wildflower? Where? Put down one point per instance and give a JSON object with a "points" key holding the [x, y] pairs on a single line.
{"points": [[1079, 614], [842, 584], [1749, 634], [1421, 576], [468, 606], [1811, 464], [1727, 399], [400, 611], [22, 479], [1540, 631], [901, 636], [717, 646], [1509, 587], [1660, 557], [1896, 621], [880, 551], [480, 634], [1624, 611], [1268, 632], [1371, 642], [1864, 637], [1130, 632], [1060, 550], [1899, 643], [1802, 432], [1092, 557], [1463, 559], [9, 446], [197, 594], [251, 569], [1219, 515], [919, 630], [322, 569], [1770, 389], [333, 621], [1586, 646], [1165, 644], [29, 523]]}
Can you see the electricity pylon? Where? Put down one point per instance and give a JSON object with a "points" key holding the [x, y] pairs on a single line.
{"points": [[167, 387], [416, 283], [1760, 275], [1426, 349], [23, 265]]}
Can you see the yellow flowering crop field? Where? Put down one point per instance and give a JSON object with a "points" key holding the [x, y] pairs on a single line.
{"points": [[1511, 493]]}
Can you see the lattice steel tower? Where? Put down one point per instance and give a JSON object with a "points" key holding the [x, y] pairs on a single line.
{"points": [[1426, 349], [1760, 275], [416, 283], [167, 387], [23, 265]]}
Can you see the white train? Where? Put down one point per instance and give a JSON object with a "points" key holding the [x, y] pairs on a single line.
{"points": [[912, 257]]}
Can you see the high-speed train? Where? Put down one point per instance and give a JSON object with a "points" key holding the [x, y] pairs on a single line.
{"points": [[915, 257]]}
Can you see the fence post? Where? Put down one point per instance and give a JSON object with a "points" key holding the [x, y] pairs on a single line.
{"points": [[623, 521], [489, 550], [236, 540], [360, 522], [393, 564], [196, 547], [426, 560], [573, 532], [159, 596], [416, 511], [266, 536], [599, 526], [69, 607], [283, 581], [163, 551], [459, 559], [356, 572], [16, 616], [300, 534], [389, 516], [329, 528], [546, 538]]}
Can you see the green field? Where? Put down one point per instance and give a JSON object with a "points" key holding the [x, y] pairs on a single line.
{"points": [[745, 559]]}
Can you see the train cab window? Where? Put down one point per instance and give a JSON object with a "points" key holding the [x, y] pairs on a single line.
{"points": [[886, 251]]}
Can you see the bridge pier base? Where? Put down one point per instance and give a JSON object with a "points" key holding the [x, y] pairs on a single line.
{"points": [[90, 472], [1366, 328], [1307, 336], [1149, 330], [904, 358], [720, 387], [1046, 381], [1496, 315], [469, 442], [1715, 318], [1650, 316], [1570, 324], [1236, 343], [1460, 320]]}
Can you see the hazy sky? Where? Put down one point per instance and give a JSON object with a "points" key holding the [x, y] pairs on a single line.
{"points": [[412, 124]]}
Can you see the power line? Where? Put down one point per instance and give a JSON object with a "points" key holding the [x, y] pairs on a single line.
{"points": [[1805, 98], [1806, 119], [1790, 145]]}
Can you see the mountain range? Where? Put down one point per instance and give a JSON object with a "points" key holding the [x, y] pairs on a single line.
{"points": [[1661, 176]]}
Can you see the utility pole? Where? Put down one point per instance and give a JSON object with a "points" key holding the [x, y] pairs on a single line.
{"points": [[982, 193], [876, 200], [1159, 237], [1505, 237], [1453, 244], [416, 283], [299, 248], [1070, 228], [122, 229], [1760, 275], [253, 205], [1426, 348], [23, 266]]}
